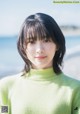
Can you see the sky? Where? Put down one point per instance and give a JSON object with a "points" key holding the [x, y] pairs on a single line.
{"points": [[14, 12]]}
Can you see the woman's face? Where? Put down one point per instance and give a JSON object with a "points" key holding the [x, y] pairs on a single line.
{"points": [[41, 53]]}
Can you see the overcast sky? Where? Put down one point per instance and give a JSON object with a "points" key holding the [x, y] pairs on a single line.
{"points": [[13, 13]]}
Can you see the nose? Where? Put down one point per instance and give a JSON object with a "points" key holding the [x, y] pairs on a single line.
{"points": [[39, 48]]}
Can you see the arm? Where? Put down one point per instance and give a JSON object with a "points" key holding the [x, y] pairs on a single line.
{"points": [[76, 102], [5, 85], [4, 103]]}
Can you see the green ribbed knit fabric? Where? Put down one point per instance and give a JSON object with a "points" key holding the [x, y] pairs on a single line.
{"points": [[39, 92]]}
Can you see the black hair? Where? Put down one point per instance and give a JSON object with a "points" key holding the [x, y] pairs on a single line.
{"points": [[41, 26]]}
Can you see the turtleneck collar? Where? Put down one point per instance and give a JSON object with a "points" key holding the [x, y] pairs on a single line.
{"points": [[41, 74]]}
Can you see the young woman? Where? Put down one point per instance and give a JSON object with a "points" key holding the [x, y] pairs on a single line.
{"points": [[42, 87]]}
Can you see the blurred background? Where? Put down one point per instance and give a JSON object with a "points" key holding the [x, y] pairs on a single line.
{"points": [[12, 15]]}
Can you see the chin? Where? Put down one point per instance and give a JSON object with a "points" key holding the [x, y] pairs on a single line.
{"points": [[42, 67]]}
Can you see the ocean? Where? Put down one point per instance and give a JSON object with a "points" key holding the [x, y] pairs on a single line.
{"points": [[12, 63]]}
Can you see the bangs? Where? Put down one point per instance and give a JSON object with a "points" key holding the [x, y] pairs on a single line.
{"points": [[35, 30]]}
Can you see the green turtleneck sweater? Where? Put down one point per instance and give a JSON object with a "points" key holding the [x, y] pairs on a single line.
{"points": [[39, 92]]}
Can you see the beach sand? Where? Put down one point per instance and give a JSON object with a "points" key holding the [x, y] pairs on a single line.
{"points": [[72, 67], [72, 62]]}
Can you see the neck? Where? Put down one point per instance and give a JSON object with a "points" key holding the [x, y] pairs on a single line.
{"points": [[41, 74]]}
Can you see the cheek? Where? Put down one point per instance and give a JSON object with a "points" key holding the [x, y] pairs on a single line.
{"points": [[29, 50], [52, 51], [51, 48]]}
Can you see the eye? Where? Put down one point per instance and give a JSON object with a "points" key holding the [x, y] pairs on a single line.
{"points": [[32, 42], [47, 40]]}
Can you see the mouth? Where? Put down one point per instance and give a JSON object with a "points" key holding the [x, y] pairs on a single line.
{"points": [[40, 57]]}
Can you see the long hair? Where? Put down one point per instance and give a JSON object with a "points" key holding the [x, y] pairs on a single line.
{"points": [[40, 26]]}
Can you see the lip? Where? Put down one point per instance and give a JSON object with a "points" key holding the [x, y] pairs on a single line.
{"points": [[40, 57]]}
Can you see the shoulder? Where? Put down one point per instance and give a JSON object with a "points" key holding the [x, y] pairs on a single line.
{"points": [[8, 81], [69, 81]]}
